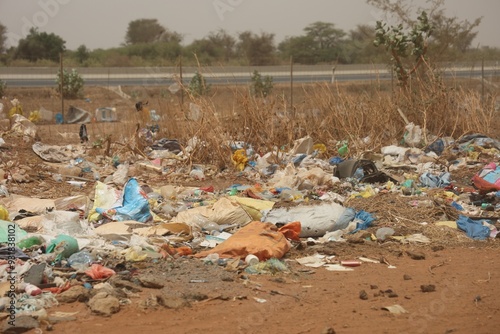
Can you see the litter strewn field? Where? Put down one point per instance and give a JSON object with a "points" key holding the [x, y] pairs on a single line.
{"points": [[140, 229]]}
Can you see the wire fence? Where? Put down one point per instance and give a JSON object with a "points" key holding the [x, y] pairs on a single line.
{"points": [[151, 76]]}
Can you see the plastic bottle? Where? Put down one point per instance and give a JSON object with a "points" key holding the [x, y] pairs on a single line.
{"points": [[251, 260], [343, 149], [80, 260], [211, 258], [383, 233]]}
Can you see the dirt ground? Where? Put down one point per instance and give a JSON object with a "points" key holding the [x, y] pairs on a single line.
{"points": [[447, 286], [319, 301]]}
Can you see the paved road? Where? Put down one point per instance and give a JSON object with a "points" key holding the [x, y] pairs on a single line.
{"points": [[155, 79]]}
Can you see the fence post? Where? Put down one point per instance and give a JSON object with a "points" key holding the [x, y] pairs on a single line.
{"points": [[182, 85], [291, 86], [482, 83], [61, 83]]}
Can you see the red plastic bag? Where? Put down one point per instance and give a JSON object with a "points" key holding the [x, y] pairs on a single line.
{"points": [[488, 178], [97, 271]]}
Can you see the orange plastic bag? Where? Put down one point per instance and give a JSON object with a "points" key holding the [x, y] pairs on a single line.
{"points": [[291, 230], [97, 271], [260, 239]]}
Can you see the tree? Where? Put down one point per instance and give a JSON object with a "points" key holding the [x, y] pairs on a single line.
{"points": [[257, 50], [301, 48], [223, 41], [206, 52], [451, 36], [327, 40], [358, 47], [3, 38], [402, 44], [149, 31], [82, 54], [40, 45], [322, 43]]}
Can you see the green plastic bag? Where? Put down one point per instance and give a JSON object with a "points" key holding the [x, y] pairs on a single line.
{"points": [[64, 246]]}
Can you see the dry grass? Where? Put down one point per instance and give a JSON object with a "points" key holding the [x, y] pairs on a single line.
{"points": [[329, 113]]}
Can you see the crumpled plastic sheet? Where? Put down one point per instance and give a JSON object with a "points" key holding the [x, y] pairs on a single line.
{"points": [[473, 228], [365, 220], [435, 181]]}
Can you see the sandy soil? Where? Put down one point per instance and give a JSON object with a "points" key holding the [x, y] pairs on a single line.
{"points": [[319, 301], [197, 297]]}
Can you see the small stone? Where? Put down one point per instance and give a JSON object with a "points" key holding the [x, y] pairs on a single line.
{"points": [[392, 294], [328, 330], [278, 280], [120, 283], [170, 300], [416, 255], [104, 304], [70, 171], [437, 248], [150, 281], [363, 295], [373, 286], [73, 294], [406, 277], [428, 287]]}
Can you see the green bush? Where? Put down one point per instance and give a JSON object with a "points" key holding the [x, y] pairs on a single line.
{"points": [[72, 84], [198, 86], [261, 87], [3, 85]]}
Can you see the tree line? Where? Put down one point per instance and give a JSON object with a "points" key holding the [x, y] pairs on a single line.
{"points": [[149, 43]]}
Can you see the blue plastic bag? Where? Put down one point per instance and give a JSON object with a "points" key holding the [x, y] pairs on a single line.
{"points": [[135, 205]]}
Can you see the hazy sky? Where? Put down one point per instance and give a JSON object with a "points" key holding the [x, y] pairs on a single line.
{"points": [[103, 23]]}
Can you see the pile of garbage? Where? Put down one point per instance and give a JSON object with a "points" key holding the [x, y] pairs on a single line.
{"points": [[81, 247]]}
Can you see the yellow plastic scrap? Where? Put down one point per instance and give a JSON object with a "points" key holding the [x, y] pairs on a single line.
{"points": [[321, 148], [473, 155], [4, 213], [34, 116], [135, 254], [368, 192], [239, 159], [489, 151], [448, 195], [16, 110], [389, 185]]}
